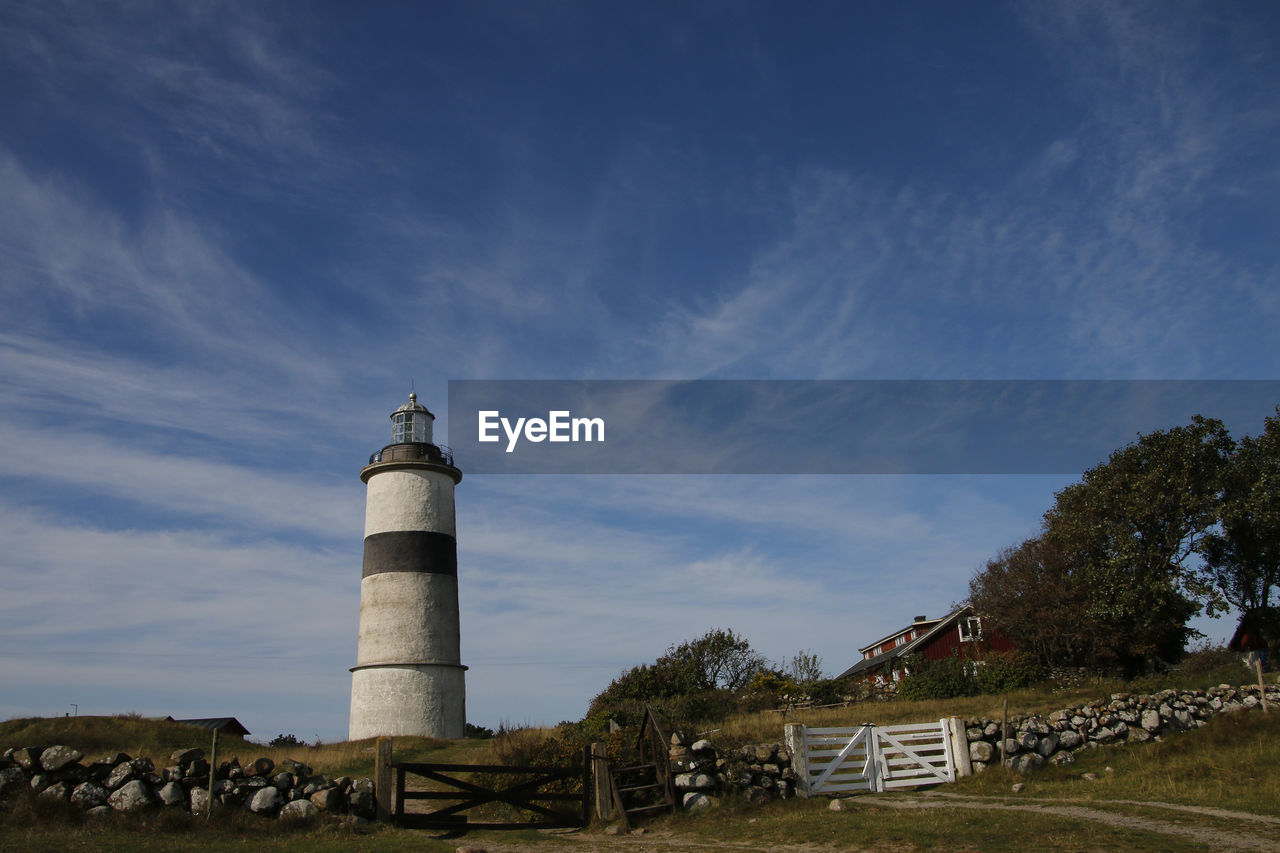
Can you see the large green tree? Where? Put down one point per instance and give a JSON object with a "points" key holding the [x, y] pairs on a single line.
{"points": [[1129, 529], [1033, 593], [1242, 557]]}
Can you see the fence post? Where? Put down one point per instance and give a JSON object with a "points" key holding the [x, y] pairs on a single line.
{"points": [[794, 736], [382, 778], [601, 783], [875, 761], [959, 747]]}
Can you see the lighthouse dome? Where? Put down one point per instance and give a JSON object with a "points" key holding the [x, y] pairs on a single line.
{"points": [[411, 423]]}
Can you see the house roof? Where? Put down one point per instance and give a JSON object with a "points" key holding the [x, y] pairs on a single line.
{"points": [[906, 648], [227, 725], [926, 623]]}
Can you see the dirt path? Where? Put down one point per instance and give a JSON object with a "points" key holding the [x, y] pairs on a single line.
{"points": [[1218, 839]]}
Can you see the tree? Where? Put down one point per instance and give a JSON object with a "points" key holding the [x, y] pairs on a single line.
{"points": [[1031, 592], [1242, 557], [718, 660], [1128, 528], [805, 668]]}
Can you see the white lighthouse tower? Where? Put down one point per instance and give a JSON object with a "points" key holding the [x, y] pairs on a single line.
{"points": [[408, 678]]}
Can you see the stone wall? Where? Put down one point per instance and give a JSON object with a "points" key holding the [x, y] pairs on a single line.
{"points": [[763, 772], [118, 783], [1034, 741]]}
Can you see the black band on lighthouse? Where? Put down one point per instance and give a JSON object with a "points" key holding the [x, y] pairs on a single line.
{"points": [[410, 551]]}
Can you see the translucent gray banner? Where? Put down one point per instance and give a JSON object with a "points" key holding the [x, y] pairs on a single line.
{"points": [[827, 427]]}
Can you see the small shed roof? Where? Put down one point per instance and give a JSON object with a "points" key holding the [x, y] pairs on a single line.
{"points": [[225, 725]]}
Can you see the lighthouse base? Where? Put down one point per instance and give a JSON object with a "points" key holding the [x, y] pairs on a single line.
{"points": [[415, 700]]}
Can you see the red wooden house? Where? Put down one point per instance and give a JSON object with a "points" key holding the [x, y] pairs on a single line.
{"points": [[959, 633]]}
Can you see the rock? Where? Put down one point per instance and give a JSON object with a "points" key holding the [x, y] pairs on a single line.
{"points": [[58, 791], [1104, 735], [197, 769], [1048, 744], [88, 795], [980, 750], [263, 767], [363, 785], [99, 811], [172, 794], [28, 757], [185, 756], [363, 804], [121, 775], [1069, 739], [40, 781], [978, 766], [1026, 762], [1151, 720], [266, 801], [297, 768], [1182, 719], [1062, 757], [283, 781], [1027, 740], [840, 806], [1011, 746], [701, 745], [133, 796], [328, 800], [694, 801], [299, 810], [1139, 735], [757, 796], [1019, 787], [1089, 777], [1036, 726], [57, 757], [200, 801]]}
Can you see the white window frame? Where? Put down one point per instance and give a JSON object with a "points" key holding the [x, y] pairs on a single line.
{"points": [[970, 629]]}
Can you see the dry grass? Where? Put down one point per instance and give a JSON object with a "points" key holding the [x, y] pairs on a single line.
{"points": [[755, 728], [156, 739]]}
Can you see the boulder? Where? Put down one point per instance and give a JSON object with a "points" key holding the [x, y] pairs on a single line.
{"points": [[1151, 720], [40, 781], [1048, 744], [283, 781], [263, 767], [701, 745], [980, 750], [121, 775], [329, 800], [27, 757], [172, 794], [1026, 762], [57, 757], [88, 795], [694, 801], [185, 756], [1062, 756], [58, 791], [266, 800], [299, 810], [133, 796], [1069, 739]]}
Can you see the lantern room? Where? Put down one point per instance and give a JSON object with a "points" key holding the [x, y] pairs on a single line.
{"points": [[411, 423]]}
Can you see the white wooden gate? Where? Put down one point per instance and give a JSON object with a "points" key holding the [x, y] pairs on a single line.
{"points": [[873, 758]]}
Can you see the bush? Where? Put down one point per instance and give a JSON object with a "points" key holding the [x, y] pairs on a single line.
{"points": [[940, 679], [1000, 672]]}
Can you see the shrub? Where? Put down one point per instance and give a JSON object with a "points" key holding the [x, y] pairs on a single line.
{"points": [[1000, 672], [940, 679]]}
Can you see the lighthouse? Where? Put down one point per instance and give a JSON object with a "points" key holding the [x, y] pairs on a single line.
{"points": [[409, 678]]}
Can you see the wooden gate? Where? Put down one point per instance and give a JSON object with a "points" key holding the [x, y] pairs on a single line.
{"points": [[871, 758], [526, 806]]}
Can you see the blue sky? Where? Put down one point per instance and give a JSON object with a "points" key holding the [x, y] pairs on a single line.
{"points": [[233, 233]]}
